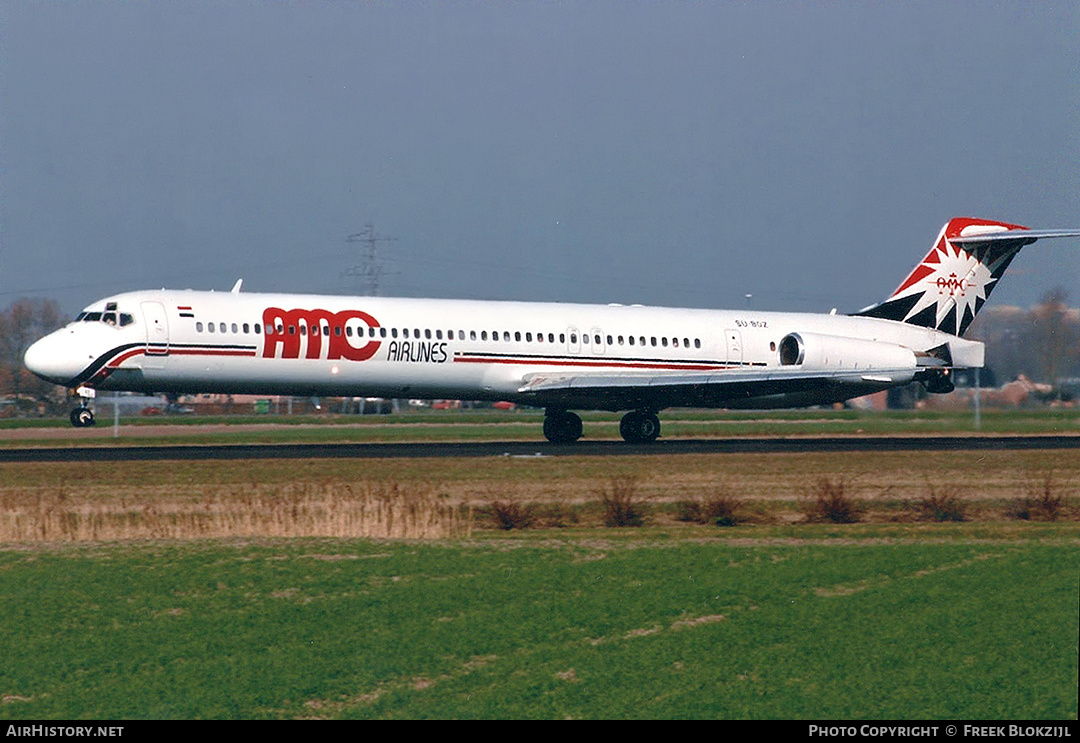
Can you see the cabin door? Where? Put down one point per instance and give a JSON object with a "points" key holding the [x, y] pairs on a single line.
{"points": [[157, 335], [573, 341], [734, 346]]}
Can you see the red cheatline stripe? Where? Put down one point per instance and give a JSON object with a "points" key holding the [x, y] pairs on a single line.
{"points": [[182, 352], [603, 364], [124, 357]]}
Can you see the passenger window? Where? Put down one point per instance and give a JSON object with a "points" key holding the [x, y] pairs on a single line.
{"points": [[517, 336], [198, 327], [247, 328], [210, 327], [234, 328], [221, 327], [257, 327]]}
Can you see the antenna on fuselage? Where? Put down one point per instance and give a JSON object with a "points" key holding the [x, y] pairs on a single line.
{"points": [[236, 287]]}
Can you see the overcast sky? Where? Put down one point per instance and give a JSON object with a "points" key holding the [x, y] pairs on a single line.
{"points": [[676, 153]]}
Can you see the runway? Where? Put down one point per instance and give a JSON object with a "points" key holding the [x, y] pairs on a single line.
{"points": [[672, 447]]}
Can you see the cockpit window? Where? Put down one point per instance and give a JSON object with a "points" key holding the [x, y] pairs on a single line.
{"points": [[110, 317]]}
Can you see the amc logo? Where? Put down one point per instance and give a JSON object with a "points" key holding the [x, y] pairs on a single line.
{"points": [[291, 329], [951, 285]]}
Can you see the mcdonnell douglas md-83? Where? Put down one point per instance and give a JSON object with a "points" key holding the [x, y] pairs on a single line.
{"points": [[562, 357]]}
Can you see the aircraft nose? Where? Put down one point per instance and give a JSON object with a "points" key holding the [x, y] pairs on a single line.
{"points": [[53, 359]]}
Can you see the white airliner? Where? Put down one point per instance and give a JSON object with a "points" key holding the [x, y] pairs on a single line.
{"points": [[561, 357]]}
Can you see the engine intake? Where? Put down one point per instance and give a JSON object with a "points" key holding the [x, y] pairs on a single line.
{"points": [[834, 353]]}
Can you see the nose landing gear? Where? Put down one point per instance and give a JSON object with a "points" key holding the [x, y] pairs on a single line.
{"points": [[83, 416]]}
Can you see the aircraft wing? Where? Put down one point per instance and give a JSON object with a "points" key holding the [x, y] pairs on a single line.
{"points": [[729, 388]]}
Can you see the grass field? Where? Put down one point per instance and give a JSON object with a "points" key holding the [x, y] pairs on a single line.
{"points": [[244, 589], [810, 622]]}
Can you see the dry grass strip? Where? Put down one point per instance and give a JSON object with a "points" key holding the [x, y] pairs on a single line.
{"points": [[331, 509]]}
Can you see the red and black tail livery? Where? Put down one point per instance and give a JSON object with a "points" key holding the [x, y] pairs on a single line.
{"points": [[951, 284]]}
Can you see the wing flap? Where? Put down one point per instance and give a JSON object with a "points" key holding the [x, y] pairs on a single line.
{"points": [[736, 388]]}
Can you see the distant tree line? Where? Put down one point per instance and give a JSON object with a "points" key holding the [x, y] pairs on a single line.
{"points": [[21, 323]]}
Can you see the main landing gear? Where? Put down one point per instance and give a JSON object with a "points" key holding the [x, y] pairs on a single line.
{"points": [[562, 426], [636, 427], [640, 427]]}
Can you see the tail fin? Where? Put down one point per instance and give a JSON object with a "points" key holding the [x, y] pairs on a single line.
{"points": [[952, 283]]}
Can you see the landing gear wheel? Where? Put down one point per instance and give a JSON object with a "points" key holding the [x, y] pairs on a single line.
{"points": [[639, 427], [82, 417], [562, 427]]}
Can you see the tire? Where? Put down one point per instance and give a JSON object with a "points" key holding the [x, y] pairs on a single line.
{"points": [[82, 417], [639, 427], [562, 427]]}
